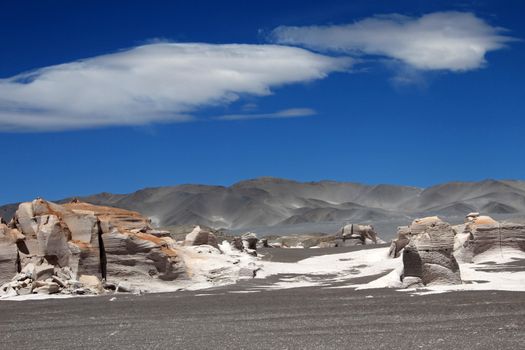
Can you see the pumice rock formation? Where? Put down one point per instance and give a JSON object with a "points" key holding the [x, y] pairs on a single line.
{"points": [[75, 245], [200, 236], [354, 234], [428, 247], [81, 248], [482, 233], [431, 248]]}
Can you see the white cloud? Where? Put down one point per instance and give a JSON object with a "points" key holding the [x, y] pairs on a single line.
{"points": [[456, 41], [161, 82], [285, 113]]}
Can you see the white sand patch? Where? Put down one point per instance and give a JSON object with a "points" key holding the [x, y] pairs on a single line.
{"points": [[500, 256], [345, 266], [414, 291], [391, 280], [37, 297], [369, 260], [294, 283], [487, 272]]}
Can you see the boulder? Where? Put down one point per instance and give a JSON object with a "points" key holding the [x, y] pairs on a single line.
{"points": [[64, 273], [59, 281], [200, 236], [124, 287], [91, 282], [47, 288], [250, 240], [43, 271], [25, 219]]}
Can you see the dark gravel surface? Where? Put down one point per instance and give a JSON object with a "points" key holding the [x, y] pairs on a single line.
{"points": [[302, 318], [294, 255]]}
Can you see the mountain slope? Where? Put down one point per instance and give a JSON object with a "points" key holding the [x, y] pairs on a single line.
{"points": [[284, 205]]}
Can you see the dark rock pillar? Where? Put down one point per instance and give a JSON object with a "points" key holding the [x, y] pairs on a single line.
{"points": [[102, 253]]}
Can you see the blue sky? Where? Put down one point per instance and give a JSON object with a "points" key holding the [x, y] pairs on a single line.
{"points": [[355, 91]]}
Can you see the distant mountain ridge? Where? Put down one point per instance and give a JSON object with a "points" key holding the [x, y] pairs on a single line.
{"points": [[273, 205]]}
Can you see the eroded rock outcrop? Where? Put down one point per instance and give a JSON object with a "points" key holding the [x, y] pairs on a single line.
{"points": [[354, 234], [482, 233], [86, 240], [428, 247], [80, 248]]}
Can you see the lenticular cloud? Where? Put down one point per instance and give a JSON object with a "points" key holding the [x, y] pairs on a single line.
{"points": [[162, 82], [455, 41]]}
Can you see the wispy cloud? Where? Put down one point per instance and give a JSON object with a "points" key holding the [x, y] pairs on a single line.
{"points": [[454, 41], [160, 82], [285, 113]]}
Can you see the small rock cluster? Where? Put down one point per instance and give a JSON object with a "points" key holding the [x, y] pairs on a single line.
{"points": [[349, 235], [43, 278], [431, 248], [247, 242]]}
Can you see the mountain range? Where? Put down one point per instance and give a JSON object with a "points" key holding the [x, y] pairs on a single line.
{"points": [[271, 205]]}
